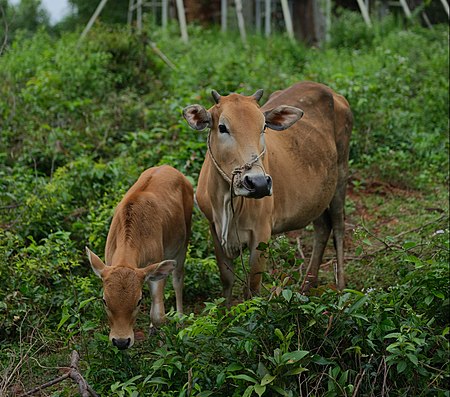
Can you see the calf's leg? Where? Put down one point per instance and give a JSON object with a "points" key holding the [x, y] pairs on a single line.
{"points": [[157, 311], [178, 279]]}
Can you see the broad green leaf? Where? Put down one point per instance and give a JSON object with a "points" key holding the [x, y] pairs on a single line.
{"points": [[243, 377], [353, 291], [157, 381], [267, 379], [220, 379], [85, 302], [248, 391], [393, 335], [292, 357], [439, 294], [287, 295], [259, 389], [413, 359], [64, 319], [408, 245], [205, 393], [357, 304], [401, 366], [234, 367]]}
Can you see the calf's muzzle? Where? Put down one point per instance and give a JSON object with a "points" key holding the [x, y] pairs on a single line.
{"points": [[121, 343]]}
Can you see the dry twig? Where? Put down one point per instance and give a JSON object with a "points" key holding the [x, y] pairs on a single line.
{"points": [[73, 373]]}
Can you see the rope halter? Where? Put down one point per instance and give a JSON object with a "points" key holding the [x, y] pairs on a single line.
{"points": [[237, 170]]}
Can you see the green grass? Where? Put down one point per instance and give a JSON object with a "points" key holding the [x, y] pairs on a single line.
{"points": [[79, 123]]}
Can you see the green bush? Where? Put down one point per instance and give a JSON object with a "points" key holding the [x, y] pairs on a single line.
{"points": [[81, 121], [328, 344]]}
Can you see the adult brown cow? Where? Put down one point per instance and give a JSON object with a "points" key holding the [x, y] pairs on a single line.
{"points": [[257, 181], [147, 239]]}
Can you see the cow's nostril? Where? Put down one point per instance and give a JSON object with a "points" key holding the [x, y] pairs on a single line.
{"points": [[248, 183]]}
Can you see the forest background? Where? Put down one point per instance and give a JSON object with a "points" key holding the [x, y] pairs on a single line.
{"points": [[79, 121]]}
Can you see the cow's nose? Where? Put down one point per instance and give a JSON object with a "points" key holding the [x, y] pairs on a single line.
{"points": [[258, 185], [121, 343]]}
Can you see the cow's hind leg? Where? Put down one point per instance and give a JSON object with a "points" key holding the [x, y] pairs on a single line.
{"points": [[338, 224], [322, 230]]}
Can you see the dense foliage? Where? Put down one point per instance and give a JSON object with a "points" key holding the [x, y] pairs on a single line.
{"points": [[27, 16], [81, 120]]}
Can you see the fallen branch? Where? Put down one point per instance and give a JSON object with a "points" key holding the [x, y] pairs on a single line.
{"points": [[73, 373], [421, 227], [387, 246]]}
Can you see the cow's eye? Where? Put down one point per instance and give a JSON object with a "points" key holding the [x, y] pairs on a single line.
{"points": [[223, 129], [139, 302], [104, 301]]}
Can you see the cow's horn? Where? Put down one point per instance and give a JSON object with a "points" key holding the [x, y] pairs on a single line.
{"points": [[215, 95], [258, 94]]}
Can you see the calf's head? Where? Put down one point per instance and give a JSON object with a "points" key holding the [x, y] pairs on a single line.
{"points": [[236, 141], [122, 294]]}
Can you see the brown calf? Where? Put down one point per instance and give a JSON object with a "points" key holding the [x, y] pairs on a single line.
{"points": [[266, 172], [147, 239]]}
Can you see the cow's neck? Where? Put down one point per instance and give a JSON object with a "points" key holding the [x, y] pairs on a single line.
{"points": [[226, 214]]}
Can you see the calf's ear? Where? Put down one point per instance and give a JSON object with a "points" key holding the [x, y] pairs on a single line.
{"points": [[197, 117], [158, 271], [282, 117], [96, 263]]}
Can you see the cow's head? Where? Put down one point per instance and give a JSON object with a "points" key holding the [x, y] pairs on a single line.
{"points": [[122, 294], [236, 142]]}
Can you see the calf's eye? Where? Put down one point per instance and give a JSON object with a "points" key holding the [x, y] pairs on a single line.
{"points": [[139, 302]]}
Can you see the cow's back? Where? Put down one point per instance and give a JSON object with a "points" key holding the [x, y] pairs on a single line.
{"points": [[153, 219], [303, 158]]}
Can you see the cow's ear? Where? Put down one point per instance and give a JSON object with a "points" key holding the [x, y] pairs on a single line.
{"points": [[197, 117], [158, 271], [282, 117], [96, 263]]}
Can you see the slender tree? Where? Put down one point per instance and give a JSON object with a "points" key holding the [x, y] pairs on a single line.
{"points": [[28, 16]]}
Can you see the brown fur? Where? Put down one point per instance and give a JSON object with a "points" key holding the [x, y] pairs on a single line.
{"points": [[148, 237], [308, 164]]}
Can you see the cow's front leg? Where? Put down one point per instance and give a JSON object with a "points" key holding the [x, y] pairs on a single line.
{"points": [[257, 265], [226, 268]]}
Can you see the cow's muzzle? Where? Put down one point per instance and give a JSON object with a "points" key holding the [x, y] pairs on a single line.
{"points": [[257, 185]]}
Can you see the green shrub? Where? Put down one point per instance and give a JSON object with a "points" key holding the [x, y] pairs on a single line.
{"points": [[80, 122]]}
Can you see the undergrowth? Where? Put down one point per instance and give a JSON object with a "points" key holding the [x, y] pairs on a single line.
{"points": [[80, 121]]}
